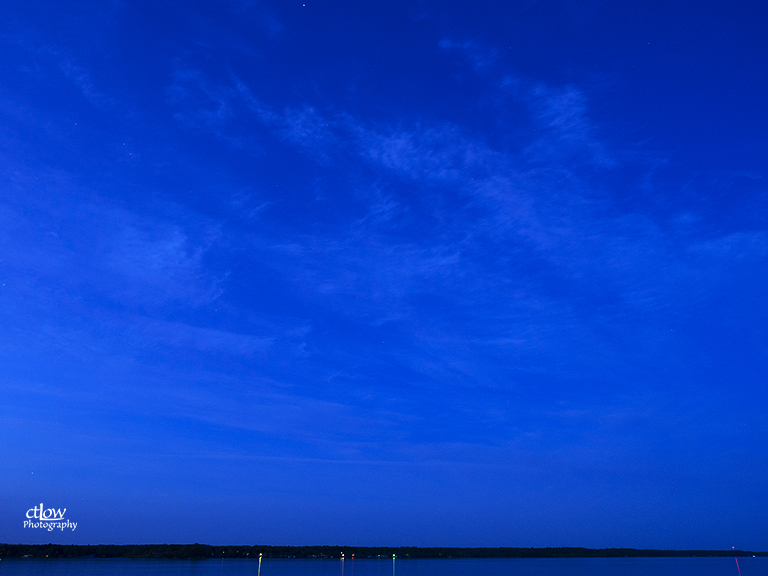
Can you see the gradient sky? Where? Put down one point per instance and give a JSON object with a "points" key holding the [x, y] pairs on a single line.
{"points": [[385, 273]]}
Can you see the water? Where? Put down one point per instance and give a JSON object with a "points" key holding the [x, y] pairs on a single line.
{"points": [[403, 567]]}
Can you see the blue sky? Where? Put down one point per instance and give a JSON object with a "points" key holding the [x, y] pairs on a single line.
{"points": [[403, 273]]}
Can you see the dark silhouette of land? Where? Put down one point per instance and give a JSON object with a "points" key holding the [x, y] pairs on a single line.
{"points": [[202, 551]]}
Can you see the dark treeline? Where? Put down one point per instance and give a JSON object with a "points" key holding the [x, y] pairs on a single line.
{"points": [[201, 551]]}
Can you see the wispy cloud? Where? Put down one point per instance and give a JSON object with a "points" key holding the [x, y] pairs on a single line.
{"points": [[560, 113], [156, 263], [481, 57], [485, 224], [94, 247], [454, 267], [44, 58], [83, 80]]}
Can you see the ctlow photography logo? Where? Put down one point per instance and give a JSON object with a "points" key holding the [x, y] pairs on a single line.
{"points": [[48, 519]]}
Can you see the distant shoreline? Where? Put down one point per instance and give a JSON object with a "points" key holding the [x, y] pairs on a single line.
{"points": [[203, 551]]}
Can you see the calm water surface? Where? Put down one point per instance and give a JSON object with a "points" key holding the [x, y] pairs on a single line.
{"points": [[404, 567]]}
